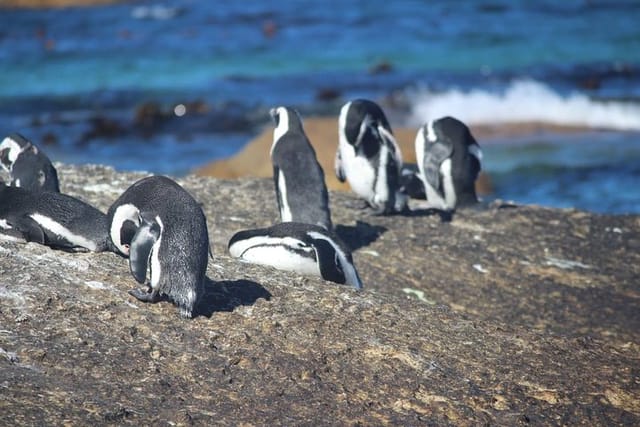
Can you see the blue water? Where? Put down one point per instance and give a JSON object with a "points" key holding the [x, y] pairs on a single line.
{"points": [[75, 81]]}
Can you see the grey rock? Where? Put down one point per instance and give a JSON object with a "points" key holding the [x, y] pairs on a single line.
{"points": [[502, 316]]}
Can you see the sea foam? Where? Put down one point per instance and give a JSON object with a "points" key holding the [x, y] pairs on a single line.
{"points": [[523, 101]]}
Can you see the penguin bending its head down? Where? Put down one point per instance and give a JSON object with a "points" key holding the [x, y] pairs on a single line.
{"points": [[303, 248], [161, 228], [368, 156], [29, 167], [299, 179], [52, 219], [449, 159]]}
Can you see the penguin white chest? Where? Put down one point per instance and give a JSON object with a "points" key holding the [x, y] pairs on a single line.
{"points": [[359, 171]]}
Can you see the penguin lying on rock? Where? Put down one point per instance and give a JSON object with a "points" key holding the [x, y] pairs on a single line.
{"points": [[53, 219], [302, 248], [161, 228], [28, 166], [449, 160], [368, 156], [299, 179]]}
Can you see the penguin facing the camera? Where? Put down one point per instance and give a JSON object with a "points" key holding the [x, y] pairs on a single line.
{"points": [[161, 228], [449, 160], [52, 219], [28, 166], [302, 248], [368, 156], [298, 177]]}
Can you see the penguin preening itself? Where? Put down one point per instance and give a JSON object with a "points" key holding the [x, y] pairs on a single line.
{"points": [[303, 248], [368, 156], [449, 159], [298, 177], [52, 219], [162, 228], [28, 166]]}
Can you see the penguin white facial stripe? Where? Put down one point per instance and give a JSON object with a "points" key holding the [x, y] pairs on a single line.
{"points": [[13, 153], [285, 209], [282, 128], [123, 213], [60, 230], [431, 133]]}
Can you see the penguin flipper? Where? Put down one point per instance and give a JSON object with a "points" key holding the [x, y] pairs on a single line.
{"points": [[28, 229], [434, 154], [149, 295], [141, 247]]}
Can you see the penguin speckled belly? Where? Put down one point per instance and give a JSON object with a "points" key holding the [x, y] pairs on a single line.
{"points": [[299, 179], [368, 156], [28, 166], [303, 248], [162, 228], [52, 219], [449, 159]]}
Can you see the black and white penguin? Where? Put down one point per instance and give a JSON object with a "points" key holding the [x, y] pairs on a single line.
{"points": [[161, 228], [53, 219], [411, 183], [449, 159], [303, 248], [28, 166], [299, 179], [368, 156]]}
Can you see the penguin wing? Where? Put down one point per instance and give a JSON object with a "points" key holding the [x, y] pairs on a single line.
{"points": [[276, 181], [434, 154], [25, 228], [141, 246]]}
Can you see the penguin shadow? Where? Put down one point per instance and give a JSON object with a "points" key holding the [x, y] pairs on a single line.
{"points": [[445, 215], [226, 295], [360, 235]]}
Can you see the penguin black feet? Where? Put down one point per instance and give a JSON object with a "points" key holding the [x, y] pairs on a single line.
{"points": [[150, 295]]}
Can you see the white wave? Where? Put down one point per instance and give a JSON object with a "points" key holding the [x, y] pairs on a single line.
{"points": [[523, 101]]}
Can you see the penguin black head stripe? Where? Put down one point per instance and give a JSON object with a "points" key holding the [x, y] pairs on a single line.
{"points": [[301, 192], [368, 156], [303, 248], [53, 219], [28, 166], [163, 230], [449, 159]]}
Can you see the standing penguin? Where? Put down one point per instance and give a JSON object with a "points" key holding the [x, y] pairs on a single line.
{"points": [[161, 227], [304, 248], [299, 179], [52, 219], [368, 156], [449, 159], [29, 167]]}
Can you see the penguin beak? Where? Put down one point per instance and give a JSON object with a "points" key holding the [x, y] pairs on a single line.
{"points": [[274, 116]]}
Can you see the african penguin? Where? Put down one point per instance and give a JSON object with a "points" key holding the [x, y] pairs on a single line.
{"points": [[28, 166], [161, 228], [303, 248], [298, 177], [368, 156], [449, 159], [53, 219]]}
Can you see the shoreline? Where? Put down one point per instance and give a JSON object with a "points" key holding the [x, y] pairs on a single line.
{"points": [[253, 159]]}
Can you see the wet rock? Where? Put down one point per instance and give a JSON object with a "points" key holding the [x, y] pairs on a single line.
{"points": [[501, 316]]}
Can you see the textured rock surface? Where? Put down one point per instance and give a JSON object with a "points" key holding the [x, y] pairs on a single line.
{"points": [[502, 316]]}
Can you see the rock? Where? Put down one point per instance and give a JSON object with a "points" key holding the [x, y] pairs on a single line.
{"points": [[511, 316]]}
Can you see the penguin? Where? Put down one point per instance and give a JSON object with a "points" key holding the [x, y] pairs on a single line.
{"points": [[411, 183], [162, 228], [28, 166], [449, 159], [52, 219], [298, 177], [368, 156], [303, 248]]}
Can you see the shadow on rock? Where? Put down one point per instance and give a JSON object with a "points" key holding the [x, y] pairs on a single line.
{"points": [[227, 295], [445, 216], [360, 235]]}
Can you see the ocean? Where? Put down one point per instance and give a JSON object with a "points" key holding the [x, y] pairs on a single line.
{"points": [[166, 87]]}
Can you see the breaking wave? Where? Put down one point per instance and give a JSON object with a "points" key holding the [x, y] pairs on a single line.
{"points": [[524, 101]]}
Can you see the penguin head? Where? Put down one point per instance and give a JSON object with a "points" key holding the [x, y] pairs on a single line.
{"points": [[33, 170], [450, 128], [334, 260], [285, 119], [10, 149], [363, 125], [124, 225]]}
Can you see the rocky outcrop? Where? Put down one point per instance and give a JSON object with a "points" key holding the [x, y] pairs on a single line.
{"points": [[508, 316]]}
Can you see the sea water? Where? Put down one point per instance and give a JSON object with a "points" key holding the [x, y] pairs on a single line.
{"points": [[168, 86]]}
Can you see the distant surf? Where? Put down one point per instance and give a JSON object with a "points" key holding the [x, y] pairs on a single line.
{"points": [[523, 101]]}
